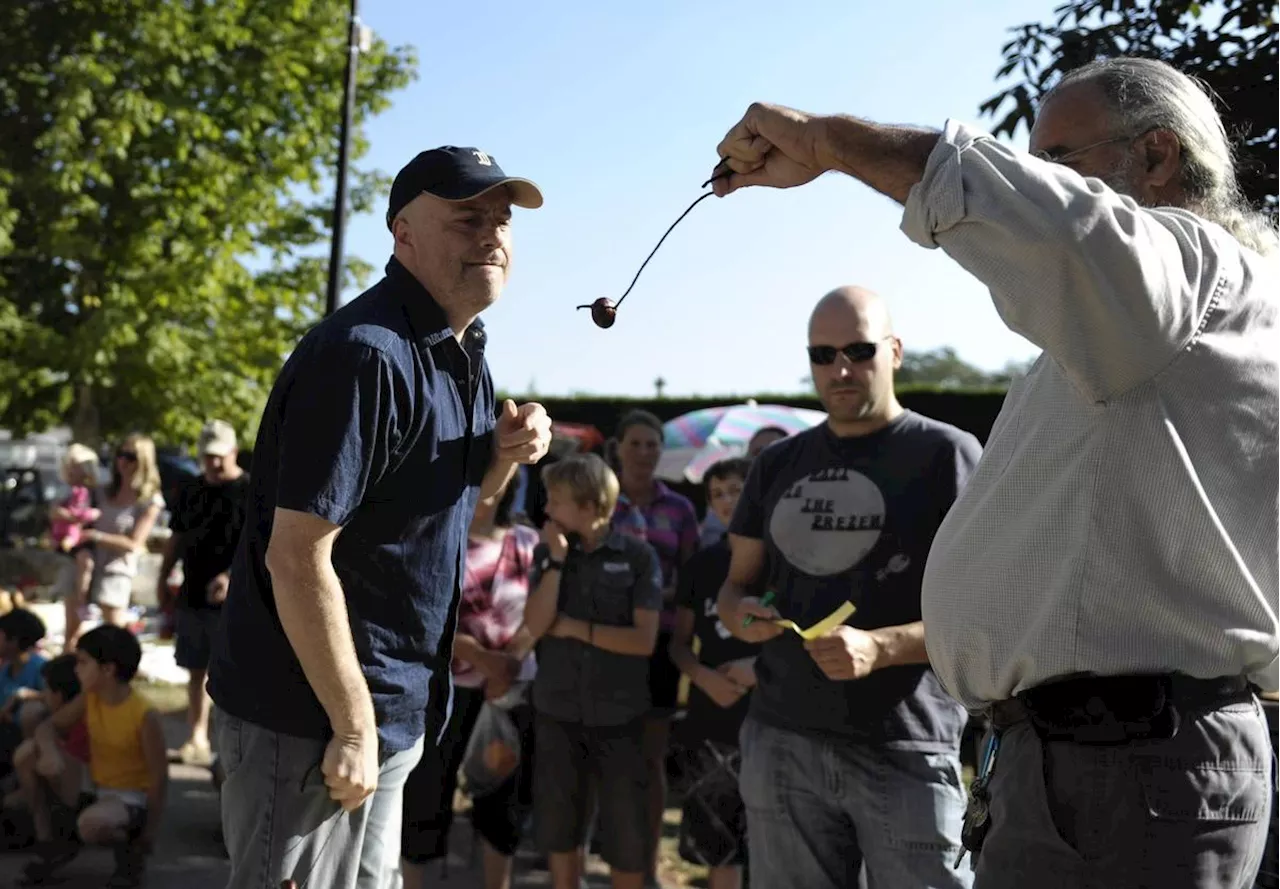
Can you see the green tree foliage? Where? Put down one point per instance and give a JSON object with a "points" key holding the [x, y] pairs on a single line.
{"points": [[1228, 44], [944, 369], [165, 202]]}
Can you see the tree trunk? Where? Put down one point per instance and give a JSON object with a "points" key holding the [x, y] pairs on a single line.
{"points": [[84, 418]]}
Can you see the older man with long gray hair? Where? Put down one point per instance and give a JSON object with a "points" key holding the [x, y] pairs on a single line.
{"points": [[1105, 587]]}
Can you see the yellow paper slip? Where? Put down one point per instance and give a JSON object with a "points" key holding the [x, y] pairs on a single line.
{"points": [[822, 627]]}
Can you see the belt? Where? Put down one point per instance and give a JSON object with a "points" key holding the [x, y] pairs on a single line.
{"points": [[1114, 709]]}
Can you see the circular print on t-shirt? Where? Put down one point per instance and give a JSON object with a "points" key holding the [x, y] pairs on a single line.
{"points": [[828, 521]]}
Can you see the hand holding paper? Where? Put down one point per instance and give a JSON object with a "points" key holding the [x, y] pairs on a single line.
{"points": [[845, 653], [822, 627]]}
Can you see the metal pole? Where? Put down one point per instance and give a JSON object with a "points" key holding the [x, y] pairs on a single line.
{"points": [[340, 199]]}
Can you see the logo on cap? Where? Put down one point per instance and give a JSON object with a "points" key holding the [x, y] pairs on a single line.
{"points": [[483, 159]]}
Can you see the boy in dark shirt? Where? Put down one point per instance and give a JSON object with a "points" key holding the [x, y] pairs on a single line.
{"points": [[594, 609], [713, 829]]}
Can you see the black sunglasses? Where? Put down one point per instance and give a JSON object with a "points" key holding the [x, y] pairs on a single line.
{"points": [[855, 352], [127, 455]]}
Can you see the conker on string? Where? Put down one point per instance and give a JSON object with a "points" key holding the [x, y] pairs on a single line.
{"points": [[603, 312]]}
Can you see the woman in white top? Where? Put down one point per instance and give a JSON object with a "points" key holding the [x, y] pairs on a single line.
{"points": [[130, 506]]}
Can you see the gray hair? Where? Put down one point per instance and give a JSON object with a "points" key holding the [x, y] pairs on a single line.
{"points": [[1145, 94]]}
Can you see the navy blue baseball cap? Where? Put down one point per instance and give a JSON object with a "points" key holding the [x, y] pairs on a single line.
{"points": [[456, 174]]}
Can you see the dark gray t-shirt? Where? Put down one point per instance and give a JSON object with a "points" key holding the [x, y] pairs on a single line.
{"points": [[853, 518], [578, 682]]}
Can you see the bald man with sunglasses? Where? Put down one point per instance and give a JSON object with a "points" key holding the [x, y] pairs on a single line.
{"points": [[850, 753]]}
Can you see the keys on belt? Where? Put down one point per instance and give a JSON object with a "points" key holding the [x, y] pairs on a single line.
{"points": [[977, 814]]}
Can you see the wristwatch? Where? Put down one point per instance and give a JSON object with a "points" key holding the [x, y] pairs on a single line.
{"points": [[542, 558]]}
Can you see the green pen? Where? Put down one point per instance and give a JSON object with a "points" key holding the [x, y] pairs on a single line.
{"points": [[766, 600]]}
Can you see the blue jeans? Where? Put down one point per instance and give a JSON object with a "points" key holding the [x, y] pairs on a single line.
{"points": [[280, 824], [818, 810]]}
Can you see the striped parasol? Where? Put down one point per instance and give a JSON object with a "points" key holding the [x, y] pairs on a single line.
{"points": [[694, 441], [735, 424]]}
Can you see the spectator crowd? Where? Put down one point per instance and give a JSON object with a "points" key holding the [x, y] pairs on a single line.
{"points": [[409, 594]]}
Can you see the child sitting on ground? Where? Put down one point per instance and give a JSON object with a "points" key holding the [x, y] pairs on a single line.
{"points": [[64, 755], [127, 761], [594, 609], [20, 665]]}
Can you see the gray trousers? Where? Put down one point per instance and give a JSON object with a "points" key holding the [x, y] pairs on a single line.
{"points": [[280, 824], [1187, 813]]}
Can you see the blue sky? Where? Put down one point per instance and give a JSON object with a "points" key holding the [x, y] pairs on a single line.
{"points": [[615, 111]]}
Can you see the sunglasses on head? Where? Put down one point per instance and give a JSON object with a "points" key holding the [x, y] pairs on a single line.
{"points": [[127, 455], [855, 352]]}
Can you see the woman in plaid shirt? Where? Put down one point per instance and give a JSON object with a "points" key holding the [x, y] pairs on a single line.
{"points": [[492, 651]]}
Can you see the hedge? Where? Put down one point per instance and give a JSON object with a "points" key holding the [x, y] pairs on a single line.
{"points": [[973, 411]]}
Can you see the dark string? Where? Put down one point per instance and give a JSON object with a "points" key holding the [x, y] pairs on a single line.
{"points": [[721, 175]]}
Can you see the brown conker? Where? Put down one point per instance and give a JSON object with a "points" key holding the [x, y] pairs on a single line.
{"points": [[603, 312]]}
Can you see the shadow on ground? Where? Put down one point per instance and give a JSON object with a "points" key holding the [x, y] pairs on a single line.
{"points": [[189, 854]]}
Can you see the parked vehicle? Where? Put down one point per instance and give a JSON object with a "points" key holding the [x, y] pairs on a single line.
{"points": [[26, 497]]}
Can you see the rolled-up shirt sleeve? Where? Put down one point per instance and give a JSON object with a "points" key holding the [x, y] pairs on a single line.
{"points": [[337, 432], [1110, 290]]}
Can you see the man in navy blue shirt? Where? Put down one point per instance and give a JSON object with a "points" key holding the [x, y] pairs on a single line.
{"points": [[379, 437]]}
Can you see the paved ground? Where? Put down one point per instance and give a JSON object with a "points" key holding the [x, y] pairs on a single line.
{"points": [[188, 855]]}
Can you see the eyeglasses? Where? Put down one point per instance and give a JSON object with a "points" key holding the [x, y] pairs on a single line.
{"points": [[131, 456], [855, 352], [1066, 156]]}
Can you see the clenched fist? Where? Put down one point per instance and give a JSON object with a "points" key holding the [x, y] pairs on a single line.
{"points": [[350, 768], [772, 146], [523, 433]]}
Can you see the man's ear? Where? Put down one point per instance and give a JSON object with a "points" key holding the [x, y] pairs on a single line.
{"points": [[400, 230], [1160, 153]]}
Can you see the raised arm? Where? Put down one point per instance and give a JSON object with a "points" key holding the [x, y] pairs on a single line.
{"points": [[543, 604], [1110, 290], [521, 436]]}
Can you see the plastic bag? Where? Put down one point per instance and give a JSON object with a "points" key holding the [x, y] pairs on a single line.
{"points": [[493, 752]]}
